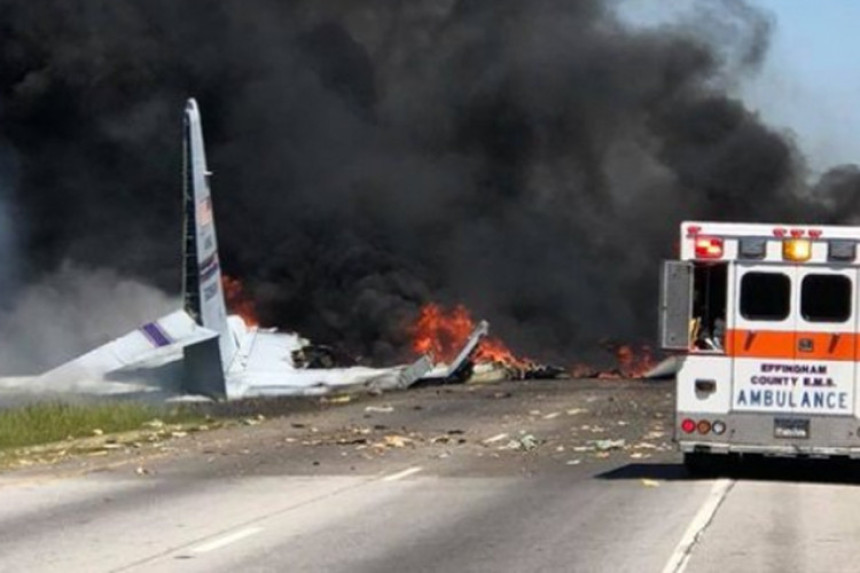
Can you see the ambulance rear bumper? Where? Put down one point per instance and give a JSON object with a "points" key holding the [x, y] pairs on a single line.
{"points": [[746, 433], [781, 451]]}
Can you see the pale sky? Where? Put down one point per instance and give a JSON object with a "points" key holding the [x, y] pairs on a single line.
{"points": [[810, 82]]}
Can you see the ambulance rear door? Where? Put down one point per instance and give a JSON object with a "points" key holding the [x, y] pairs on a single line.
{"points": [[825, 345], [762, 338]]}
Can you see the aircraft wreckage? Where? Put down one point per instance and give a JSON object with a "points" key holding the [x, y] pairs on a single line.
{"points": [[203, 351]]}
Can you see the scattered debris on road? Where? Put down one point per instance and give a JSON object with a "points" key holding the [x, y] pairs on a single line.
{"points": [[557, 422], [607, 445], [386, 409], [525, 442], [496, 438]]}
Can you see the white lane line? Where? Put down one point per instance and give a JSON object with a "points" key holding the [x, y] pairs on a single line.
{"points": [[227, 540], [496, 438], [403, 474], [681, 556]]}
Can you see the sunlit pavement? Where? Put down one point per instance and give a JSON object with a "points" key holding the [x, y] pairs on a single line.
{"points": [[511, 477]]}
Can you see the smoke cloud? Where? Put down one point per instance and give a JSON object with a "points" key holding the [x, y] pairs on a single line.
{"points": [[70, 312], [8, 251], [530, 159]]}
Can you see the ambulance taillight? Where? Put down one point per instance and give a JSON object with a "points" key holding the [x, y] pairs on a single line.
{"points": [[703, 426]]}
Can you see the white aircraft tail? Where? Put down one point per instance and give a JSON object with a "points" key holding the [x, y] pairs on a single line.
{"points": [[201, 277]]}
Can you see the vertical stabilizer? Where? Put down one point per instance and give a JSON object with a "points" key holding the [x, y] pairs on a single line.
{"points": [[201, 277]]}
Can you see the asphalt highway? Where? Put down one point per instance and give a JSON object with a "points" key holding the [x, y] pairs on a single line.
{"points": [[551, 476]]}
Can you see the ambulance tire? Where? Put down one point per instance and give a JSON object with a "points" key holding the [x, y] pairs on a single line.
{"points": [[699, 464]]}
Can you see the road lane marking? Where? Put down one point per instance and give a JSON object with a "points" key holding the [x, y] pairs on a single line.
{"points": [[227, 540], [403, 474], [496, 438], [681, 556]]}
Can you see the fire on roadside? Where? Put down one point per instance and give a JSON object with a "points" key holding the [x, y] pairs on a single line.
{"points": [[238, 302]]}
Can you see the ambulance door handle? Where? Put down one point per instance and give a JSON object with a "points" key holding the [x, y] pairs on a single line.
{"points": [[805, 345]]}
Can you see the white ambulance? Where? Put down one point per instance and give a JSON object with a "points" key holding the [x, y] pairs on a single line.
{"points": [[765, 319]]}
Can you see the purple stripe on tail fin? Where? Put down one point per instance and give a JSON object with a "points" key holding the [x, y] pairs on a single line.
{"points": [[155, 334], [209, 267]]}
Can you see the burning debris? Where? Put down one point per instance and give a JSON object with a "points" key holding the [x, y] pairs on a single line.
{"points": [[308, 355], [238, 302], [629, 362], [442, 333]]}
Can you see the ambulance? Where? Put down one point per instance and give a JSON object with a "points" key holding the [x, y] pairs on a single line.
{"points": [[764, 319]]}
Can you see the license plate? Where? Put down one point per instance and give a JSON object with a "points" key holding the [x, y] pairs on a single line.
{"points": [[790, 428]]}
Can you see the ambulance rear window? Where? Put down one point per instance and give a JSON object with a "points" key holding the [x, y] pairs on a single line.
{"points": [[825, 298], [765, 296]]}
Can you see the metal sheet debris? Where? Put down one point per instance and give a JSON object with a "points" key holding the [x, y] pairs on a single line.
{"points": [[609, 445]]}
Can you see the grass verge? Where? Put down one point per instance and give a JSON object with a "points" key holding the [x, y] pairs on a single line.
{"points": [[42, 423]]}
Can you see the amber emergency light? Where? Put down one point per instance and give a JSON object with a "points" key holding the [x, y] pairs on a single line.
{"points": [[797, 250]]}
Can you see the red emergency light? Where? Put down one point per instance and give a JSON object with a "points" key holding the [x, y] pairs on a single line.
{"points": [[709, 248], [780, 232]]}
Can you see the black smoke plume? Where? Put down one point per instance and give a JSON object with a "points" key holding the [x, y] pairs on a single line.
{"points": [[529, 158]]}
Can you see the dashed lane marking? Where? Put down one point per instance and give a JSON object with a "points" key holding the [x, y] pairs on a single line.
{"points": [[227, 540], [703, 518], [405, 473]]}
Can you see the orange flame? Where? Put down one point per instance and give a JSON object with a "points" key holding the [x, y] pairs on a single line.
{"points": [[444, 333], [237, 302], [634, 363], [581, 370], [630, 363]]}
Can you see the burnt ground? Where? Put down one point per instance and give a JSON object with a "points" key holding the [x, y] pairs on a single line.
{"points": [[512, 427]]}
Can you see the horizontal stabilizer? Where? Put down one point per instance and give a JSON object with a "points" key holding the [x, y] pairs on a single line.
{"points": [[152, 345]]}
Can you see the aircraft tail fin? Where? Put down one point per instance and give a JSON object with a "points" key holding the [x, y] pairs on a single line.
{"points": [[201, 277]]}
